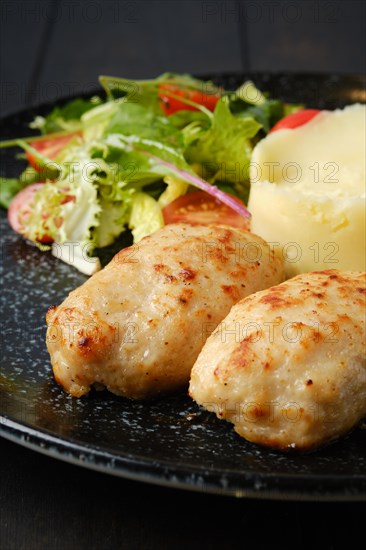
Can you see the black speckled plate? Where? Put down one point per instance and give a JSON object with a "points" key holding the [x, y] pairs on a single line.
{"points": [[168, 441]]}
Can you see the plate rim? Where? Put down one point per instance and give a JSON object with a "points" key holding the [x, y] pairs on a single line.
{"points": [[251, 485]]}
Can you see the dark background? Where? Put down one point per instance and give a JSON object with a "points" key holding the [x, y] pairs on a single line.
{"points": [[54, 48]]}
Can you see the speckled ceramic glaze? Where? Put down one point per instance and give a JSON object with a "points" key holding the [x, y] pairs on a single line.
{"points": [[168, 441]]}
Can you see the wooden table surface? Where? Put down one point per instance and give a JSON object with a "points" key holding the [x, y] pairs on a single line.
{"points": [[53, 48]]}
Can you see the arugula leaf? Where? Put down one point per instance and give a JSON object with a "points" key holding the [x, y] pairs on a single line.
{"points": [[181, 119], [133, 167], [142, 92], [134, 90], [249, 101], [266, 114], [187, 81], [224, 151]]}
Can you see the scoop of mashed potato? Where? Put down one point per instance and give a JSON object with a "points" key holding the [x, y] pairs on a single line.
{"points": [[308, 192]]}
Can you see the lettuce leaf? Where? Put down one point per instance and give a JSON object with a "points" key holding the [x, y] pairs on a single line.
{"points": [[132, 119], [224, 150], [176, 187], [65, 210], [112, 221], [146, 216], [66, 117]]}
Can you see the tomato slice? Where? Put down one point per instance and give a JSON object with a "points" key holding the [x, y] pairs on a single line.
{"points": [[199, 207], [20, 207], [49, 148], [295, 119], [171, 105]]}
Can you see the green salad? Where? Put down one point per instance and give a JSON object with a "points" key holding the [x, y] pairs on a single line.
{"points": [[102, 166]]}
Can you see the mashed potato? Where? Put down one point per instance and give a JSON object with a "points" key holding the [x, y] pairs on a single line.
{"points": [[308, 192]]}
